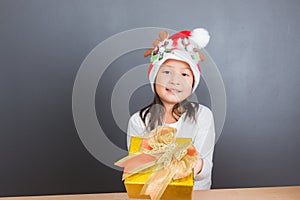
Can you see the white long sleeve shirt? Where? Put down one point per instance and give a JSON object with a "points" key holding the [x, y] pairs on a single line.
{"points": [[203, 137]]}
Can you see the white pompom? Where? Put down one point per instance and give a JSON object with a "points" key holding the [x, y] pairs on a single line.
{"points": [[200, 36]]}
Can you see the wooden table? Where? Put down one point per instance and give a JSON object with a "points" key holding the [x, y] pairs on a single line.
{"points": [[267, 193]]}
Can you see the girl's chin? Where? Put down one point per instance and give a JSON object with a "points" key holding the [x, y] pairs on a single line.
{"points": [[172, 100]]}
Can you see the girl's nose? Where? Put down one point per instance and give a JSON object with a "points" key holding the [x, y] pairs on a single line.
{"points": [[175, 79]]}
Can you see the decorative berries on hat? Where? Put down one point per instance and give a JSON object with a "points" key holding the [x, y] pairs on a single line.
{"points": [[184, 46]]}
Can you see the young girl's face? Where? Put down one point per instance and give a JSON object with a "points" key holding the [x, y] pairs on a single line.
{"points": [[174, 81]]}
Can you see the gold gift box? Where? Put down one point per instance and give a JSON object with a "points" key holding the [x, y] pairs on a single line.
{"points": [[177, 189]]}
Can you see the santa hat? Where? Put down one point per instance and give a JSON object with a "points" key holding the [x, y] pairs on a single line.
{"points": [[184, 46]]}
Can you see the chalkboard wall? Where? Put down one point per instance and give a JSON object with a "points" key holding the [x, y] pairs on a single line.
{"points": [[255, 44]]}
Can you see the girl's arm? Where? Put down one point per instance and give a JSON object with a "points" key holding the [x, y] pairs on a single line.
{"points": [[204, 143], [135, 127]]}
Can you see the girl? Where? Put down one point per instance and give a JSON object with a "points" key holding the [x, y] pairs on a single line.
{"points": [[174, 75]]}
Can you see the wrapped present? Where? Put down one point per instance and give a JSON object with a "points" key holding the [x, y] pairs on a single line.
{"points": [[159, 166]]}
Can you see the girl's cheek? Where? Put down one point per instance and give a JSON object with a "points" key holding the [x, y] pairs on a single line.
{"points": [[160, 82], [186, 82]]}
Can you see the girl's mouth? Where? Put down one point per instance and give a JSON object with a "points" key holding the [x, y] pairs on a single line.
{"points": [[174, 91]]}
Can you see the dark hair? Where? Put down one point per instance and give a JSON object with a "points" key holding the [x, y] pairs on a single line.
{"points": [[156, 111]]}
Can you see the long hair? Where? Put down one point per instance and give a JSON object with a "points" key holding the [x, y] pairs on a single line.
{"points": [[155, 111]]}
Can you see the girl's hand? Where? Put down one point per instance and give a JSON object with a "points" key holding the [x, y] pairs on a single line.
{"points": [[198, 167]]}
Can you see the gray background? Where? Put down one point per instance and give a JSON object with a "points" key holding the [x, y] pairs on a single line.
{"points": [[256, 45]]}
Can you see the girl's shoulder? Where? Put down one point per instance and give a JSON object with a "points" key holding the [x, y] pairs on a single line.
{"points": [[204, 112], [136, 119]]}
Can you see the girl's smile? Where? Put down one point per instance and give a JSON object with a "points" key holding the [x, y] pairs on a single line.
{"points": [[172, 90]]}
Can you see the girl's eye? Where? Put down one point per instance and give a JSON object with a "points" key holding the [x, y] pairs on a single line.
{"points": [[185, 74], [166, 72]]}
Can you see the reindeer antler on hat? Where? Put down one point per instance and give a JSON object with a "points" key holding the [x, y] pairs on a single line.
{"points": [[162, 36]]}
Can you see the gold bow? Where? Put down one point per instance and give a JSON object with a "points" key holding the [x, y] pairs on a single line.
{"points": [[169, 160]]}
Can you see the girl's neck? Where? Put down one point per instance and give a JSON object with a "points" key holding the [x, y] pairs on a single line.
{"points": [[169, 115], [168, 108]]}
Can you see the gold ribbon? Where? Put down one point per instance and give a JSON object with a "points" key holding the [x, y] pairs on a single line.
{"points": [[170, 161]]}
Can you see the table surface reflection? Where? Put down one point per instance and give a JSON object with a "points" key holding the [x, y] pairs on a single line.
{"points": [[265, 193]]}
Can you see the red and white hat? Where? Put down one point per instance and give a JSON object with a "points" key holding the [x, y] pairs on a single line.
{"points": [[184, 46]]}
